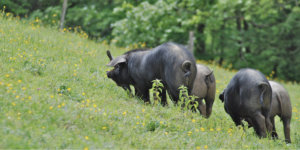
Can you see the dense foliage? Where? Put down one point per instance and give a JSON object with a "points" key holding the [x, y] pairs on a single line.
{"points": [[261, 34]]}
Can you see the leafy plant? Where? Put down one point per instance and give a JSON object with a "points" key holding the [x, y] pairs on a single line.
{"points": [[156, 90], [186, 101]]}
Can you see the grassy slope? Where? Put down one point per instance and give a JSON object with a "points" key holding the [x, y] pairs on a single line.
{"points": [[54, 94]]}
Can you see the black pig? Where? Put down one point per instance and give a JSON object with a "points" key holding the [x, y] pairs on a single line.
{"points": [[173, 64], [204, 88], [249, 96], [281, 106]]}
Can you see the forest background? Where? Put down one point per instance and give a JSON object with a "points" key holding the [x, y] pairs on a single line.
{"points": [[261, 34]]}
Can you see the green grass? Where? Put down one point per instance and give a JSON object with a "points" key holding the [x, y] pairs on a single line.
{"points": [[54, 93]]}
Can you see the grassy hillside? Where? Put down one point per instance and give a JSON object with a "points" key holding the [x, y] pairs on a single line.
{"points": [[54, 93]]}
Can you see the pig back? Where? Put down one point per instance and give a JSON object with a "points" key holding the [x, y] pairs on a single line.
{"points": [[172, 58], [200, 88], [244, 92]]}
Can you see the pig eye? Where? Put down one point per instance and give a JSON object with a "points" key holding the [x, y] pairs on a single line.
{"points": [[117, 66], [117, 69]]}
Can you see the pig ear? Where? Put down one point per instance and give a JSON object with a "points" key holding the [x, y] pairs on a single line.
{"points": [[118, 60], [109, 55], [221, 96]]}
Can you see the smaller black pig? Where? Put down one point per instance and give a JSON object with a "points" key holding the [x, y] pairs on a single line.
{"points": [[281, 106], [249, 96], [204, 88]]}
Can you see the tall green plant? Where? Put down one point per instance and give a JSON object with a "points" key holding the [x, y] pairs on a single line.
{"points": [[156, 90]]}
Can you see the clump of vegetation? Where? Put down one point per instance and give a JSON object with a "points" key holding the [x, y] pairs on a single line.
{"points": [[156, 89], [187, 101]]}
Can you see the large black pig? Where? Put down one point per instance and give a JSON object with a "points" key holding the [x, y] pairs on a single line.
{"points": [[249, 96], [172, 63]]}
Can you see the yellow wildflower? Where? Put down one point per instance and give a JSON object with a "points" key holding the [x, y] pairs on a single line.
{"points": [[86, 137], [51, 107]]}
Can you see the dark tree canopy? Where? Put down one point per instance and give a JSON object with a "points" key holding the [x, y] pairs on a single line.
{"points": [[261, 34]]}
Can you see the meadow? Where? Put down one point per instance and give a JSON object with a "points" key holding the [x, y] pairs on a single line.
{"points": [[54, 93]]}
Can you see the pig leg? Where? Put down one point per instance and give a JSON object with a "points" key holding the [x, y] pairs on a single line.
{"points": [[286, 125], [201, 107], [145, 96], [174, 97], [249, 121], [163, 96], [236, 119], [259, 124], [209, 104], [268, 122], [127, 89], [274, 133], [143, 93]]}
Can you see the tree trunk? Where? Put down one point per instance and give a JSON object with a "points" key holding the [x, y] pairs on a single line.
{"points": [[246, 27], [191, 42], [239, 28], [222, 44], [200, 40], [63, 14]]}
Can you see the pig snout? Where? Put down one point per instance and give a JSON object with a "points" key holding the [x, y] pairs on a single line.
{"points": [[109, 74]]}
